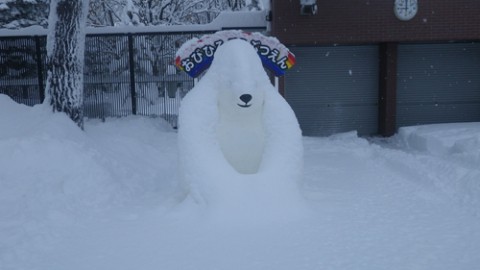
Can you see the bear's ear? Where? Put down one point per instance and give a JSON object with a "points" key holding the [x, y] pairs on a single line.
{"points": [[196, 55]]}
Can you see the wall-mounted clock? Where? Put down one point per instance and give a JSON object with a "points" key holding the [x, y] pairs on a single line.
{"points": [[405, 9]]}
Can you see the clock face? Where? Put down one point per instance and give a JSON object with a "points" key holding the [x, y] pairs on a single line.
{"points": [[405, 9]]}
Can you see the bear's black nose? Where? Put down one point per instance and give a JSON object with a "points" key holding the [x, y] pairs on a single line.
{"points": [[246, 98]]}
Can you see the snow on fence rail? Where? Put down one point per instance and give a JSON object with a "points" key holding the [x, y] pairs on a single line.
{"points": [[225, 20]]}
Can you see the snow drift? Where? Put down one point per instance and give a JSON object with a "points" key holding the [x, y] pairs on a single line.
{"points": [[458, 139], [54, 176]]}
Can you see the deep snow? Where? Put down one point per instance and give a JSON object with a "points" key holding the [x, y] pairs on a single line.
{"points": [[109, 198]]}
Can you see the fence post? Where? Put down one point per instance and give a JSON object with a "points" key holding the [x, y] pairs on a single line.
{"points": [[38, 53], [132, 73]]}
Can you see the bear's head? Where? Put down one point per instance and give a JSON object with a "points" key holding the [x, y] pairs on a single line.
{"points": [[240, 77]]}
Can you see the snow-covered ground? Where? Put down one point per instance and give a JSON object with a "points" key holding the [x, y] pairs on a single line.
{"points": [[109, 198]]}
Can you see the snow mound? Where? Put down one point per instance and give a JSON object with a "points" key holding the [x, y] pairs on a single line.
{"points": [[453, 143], [52, 173], [458, 139], [18, 120]]}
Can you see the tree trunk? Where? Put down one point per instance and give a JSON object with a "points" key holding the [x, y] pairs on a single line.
{"points": [[65, 57]]}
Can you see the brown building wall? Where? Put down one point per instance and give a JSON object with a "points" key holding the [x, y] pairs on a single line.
{"points": [[373, 21]]}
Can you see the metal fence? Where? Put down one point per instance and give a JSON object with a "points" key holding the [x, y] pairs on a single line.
{"points": [[123, 74]]}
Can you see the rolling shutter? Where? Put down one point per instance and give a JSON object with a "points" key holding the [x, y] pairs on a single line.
{"points": [[438, 83], [334, 89]]}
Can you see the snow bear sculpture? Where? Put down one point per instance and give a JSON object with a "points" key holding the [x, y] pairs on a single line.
{"points": [[238, 137]]}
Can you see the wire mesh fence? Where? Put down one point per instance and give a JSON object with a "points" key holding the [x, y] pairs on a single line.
{"points": [[123, 74], [19, 73]]}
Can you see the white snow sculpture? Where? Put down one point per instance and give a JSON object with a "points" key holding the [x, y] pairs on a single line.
{"points": [[240, 144]]}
